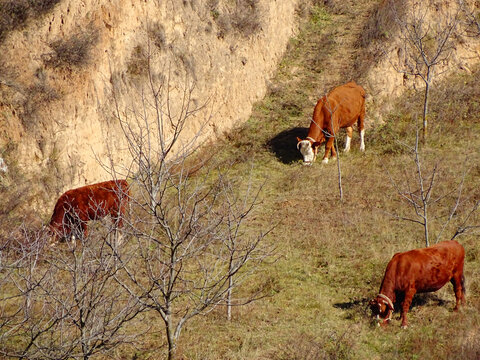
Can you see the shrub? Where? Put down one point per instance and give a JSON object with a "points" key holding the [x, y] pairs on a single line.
{"points": [[40, 7], [15, 13], [157, 34], [36, 96], [138, 63], [381, 23], [72, 52], [244, 18]]}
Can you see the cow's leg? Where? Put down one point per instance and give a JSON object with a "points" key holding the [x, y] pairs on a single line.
{"points": [[84, 229], [362, 140], [334, 152], [59, 232], [406, 305], [81, 230], [458, 283], [348, 140], [328, 148], [361, 129], [120, 213], [117, 217]]}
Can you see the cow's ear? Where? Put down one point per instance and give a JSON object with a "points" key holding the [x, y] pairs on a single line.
{"points": [[298, 139], [316, 144]]}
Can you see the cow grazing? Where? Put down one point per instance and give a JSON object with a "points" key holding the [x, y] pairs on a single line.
{"points": [[339, 109], [92, 202], [419, 270]]}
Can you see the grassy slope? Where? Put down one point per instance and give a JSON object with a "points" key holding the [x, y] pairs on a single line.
{"points": [[332, 255]]}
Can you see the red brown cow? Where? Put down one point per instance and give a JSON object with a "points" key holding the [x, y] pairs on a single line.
{"points": [[341, 108], [92, 202], [419, 270]]}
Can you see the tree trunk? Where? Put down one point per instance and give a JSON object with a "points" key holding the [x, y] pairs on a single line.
{"points": [[425, 105], [339, 169], [172, 345], [229, 299], [425, 225]]}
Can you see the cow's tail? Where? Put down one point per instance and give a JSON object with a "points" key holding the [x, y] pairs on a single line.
{"points": [[464, 290]]}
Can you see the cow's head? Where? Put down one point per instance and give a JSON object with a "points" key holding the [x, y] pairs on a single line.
{"points": [[382, 309], [308, 148]]}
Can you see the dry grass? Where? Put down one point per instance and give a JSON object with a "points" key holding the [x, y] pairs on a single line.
{"points": [[333, 254]]}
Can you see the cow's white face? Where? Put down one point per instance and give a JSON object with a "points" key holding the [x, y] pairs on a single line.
{"points": [[308, 152], [381, 310]]}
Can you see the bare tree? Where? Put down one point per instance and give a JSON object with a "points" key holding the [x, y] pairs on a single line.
{"points": [[334, 135], [187, 228], [237, 249], [17, 266], [331, 135], [63, 302], [419, 197], [471, 15], [418, 193], [426, 44], [466, 227]]}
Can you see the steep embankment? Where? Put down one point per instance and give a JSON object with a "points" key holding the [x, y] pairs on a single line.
{"points": [[61, 59]]}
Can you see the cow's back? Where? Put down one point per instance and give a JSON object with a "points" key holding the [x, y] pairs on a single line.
{"points": [[426, 269], [348, 101], [98, 200], [90, 201]]}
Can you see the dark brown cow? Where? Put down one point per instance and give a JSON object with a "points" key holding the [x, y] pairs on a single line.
{"points": [[419, 270], [341, 108], [92, 202]]}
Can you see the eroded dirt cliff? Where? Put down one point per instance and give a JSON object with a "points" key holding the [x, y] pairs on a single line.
{"points": [[61, 61]]}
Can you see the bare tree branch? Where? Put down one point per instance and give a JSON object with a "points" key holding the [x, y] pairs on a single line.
{"points": [[187, 231]]}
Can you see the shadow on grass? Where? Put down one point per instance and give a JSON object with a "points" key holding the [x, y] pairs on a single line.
{"points": [[284, 144], [428, 298], [352, 304], [418, 300]]}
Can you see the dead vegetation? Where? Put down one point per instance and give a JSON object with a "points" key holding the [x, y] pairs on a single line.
{"points": [[72, 52], [243, 18], [37, 97], [138, 62], [15, 13]]}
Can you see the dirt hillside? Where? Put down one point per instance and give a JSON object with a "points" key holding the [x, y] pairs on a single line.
{"points": [[60, 59]]}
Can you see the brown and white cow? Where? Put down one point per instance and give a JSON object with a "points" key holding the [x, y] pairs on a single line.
{"points": [[92, 202], [341, 108], [417, 271]]}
